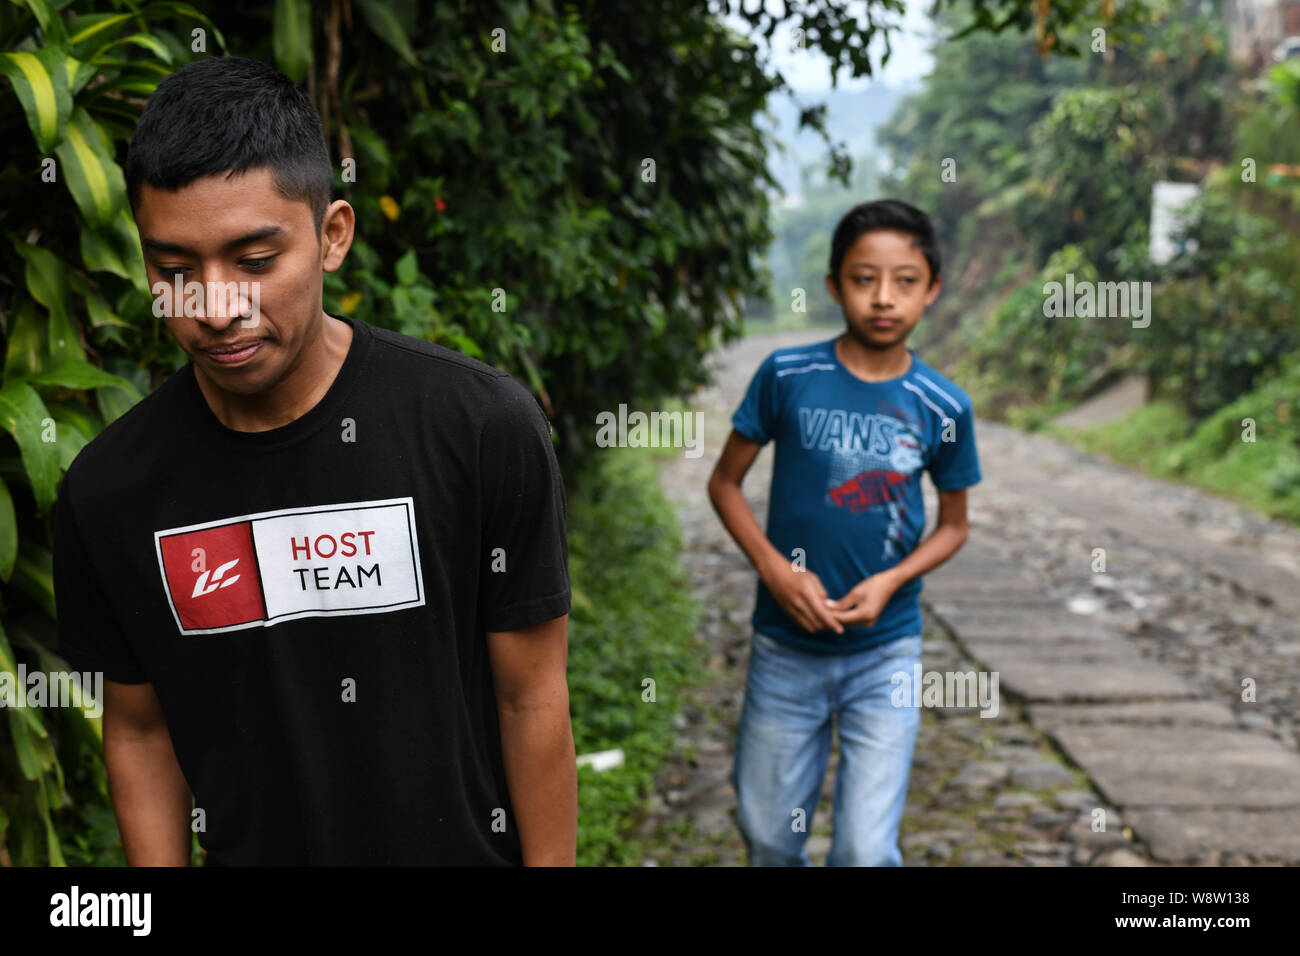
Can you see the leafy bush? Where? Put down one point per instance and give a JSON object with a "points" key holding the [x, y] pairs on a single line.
{"points": [[633, 618]]}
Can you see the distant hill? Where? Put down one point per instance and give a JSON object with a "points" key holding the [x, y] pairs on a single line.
{"points": [[852, 117]]}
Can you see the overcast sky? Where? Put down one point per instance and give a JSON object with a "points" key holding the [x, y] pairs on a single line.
{"points": [[809, 70]]}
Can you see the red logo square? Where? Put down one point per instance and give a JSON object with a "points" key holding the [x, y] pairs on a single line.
{"points": [[226, 590]]}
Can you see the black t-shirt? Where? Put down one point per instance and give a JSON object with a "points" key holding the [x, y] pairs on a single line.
{"points": [[310, 602]]}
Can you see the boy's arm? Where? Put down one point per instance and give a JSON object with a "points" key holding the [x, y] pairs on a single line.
{"points": [[528, 674], [800, 593], [151, 799], [947, 538], [867, 600]]}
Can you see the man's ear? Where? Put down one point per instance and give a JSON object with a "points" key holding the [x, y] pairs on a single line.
{"points": [[337, 228], [830, 287], [933, 294]]}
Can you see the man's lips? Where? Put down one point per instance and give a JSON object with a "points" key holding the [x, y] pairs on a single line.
{"points": [[238, 346]]}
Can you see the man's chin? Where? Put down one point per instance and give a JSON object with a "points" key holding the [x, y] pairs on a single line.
{"points": [[878, 341]]}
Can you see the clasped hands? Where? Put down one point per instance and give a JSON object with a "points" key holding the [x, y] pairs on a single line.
{"points": [[802, 596]]}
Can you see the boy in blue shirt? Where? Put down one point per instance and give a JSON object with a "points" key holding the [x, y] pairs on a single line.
{"points": [[856, 419]]}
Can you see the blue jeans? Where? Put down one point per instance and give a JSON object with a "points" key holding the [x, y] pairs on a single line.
{"points": [[784, 741]]}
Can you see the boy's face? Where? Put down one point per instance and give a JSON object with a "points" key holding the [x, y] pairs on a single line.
{"points": [[884, 287], [240, 230]]}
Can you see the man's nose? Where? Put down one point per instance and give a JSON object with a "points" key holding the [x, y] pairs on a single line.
{"points": [[226, 297]]}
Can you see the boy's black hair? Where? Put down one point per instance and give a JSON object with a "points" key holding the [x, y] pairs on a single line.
{"points": [[231, 113], [884, 214]]}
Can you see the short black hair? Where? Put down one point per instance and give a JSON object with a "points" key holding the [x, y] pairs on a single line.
{"points": [[884, 214], [231, 113]]}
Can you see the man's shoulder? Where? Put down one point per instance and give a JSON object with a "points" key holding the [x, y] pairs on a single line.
{"points": [[135, 436], [482, 389], [800, 356], [432, 355], [940, 388]]}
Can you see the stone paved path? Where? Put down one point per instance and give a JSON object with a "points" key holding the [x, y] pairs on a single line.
{"points": [[1122, 736]]}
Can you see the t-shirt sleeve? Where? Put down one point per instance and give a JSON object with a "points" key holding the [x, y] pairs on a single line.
{"points": [[756, 417], [955, 464], [90, 637], [524, 544]]}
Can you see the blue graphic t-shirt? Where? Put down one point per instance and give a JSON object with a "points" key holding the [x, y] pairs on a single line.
{"points": [[846, 483]]}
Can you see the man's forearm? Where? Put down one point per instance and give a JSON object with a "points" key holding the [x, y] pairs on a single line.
{"points": [[542, 776], [151, 799], [942, 544], [738, 518]]}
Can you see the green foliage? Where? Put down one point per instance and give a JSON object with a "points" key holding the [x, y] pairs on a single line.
{"points": [[974, 110], [505, 207], [633, 618], [588, 231], [1227, 313], [1036, 358], [1066, 155], [75, 291], [1217, 454]]}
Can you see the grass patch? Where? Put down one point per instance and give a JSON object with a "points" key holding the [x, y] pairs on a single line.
{"points": [[633, 619], [1215, 454]]}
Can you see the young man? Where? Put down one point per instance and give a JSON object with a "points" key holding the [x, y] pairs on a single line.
{"points": [[323, 567], [856, 419]]}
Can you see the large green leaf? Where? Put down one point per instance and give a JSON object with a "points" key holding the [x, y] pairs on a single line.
{"points": [[91, 33], [291, 38], [25, 352], [23, 415], [46, 281], [384, 22], [8, 532], [47, 16], [44, 805], [71, 440], [40, 81], [116, 250], [94, 178], [101, 313], [9, 663], [169, 9], [152, 44], [113, 403], [99, 253], [34, 575], [82, 375], [79, 74], [78, 413], [29, 761]]}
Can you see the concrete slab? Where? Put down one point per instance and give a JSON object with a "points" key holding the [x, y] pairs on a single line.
{"points": [[1047, 717], [1032, 681], [1184, 836], [1026, 626], [995, 654], [1144, 766], [948, 606]]}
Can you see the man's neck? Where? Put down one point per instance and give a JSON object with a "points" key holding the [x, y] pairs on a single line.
{"points": [[294, 395], [872, 365]]}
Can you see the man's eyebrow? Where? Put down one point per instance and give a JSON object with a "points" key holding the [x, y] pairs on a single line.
{"points": [[872, 265], [266, 232]]}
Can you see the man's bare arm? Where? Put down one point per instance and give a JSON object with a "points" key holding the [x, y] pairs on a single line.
{"points": [[529, 675], [800, 593], [151, 799], [949, 534], [866, 601]]}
